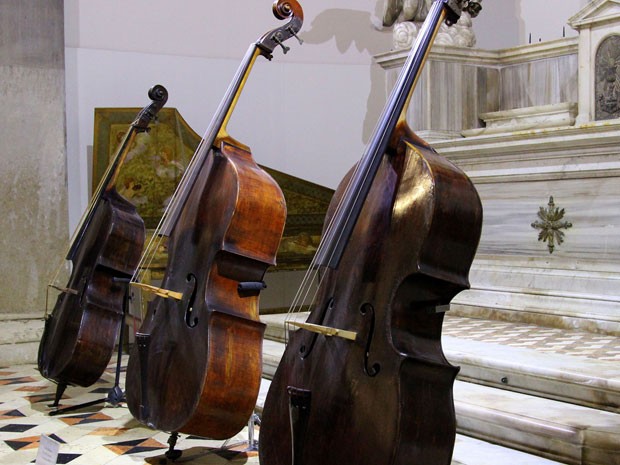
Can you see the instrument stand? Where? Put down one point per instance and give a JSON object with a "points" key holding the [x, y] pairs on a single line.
{"points": [[115, 395], [252, 441]]}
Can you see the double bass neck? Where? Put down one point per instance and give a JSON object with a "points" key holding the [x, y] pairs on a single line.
{"points": [[217, 130]]}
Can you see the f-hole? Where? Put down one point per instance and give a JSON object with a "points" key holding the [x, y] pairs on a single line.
{"points": [[188, 302], [368, 312]]}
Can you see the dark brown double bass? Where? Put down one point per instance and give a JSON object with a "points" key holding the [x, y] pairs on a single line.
{"points": [[81, 331], [364, 380], [197, 364]]}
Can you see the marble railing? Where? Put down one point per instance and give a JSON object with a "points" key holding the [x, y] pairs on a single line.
{"points": [[457, 84]]}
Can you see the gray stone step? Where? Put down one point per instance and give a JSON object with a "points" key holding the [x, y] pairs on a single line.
{"points": [[578, 380], [19, 338], [18, 328], [559, 431], [470, 451]]}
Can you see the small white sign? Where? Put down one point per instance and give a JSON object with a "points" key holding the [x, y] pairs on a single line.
{"points": [[48, 451]]}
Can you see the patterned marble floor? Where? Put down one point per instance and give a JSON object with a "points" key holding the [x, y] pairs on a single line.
{"points": [[98, 435], [550, 340]]}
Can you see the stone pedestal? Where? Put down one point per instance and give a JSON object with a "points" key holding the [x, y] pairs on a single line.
{"points": [[514, 277]]}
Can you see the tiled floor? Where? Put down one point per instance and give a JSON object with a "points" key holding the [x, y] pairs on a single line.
{"points": [[101, 434], [550, 340], [109, 435]]}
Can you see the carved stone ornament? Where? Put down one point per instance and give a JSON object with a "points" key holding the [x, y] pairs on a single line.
{"points": [[407, 17], [607, 72], [550, 225]]}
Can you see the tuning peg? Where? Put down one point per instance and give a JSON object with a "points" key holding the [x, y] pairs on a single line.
{"points": [[292, 31], [276, 38]]}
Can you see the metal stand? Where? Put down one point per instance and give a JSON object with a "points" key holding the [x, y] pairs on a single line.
{"points": [[115, 395], [252, 441]]}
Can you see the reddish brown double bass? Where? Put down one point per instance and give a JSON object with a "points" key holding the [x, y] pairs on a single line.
{"points": [[81, 331], [197, 364], [364, 381]]}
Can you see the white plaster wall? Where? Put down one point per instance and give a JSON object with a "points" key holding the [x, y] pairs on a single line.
{"points": [[509, 23], [307, 113], [546, 19]]}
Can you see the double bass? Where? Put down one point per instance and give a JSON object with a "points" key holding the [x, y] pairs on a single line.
{"points": [[364, 380], [197, 362], [80, 332]]}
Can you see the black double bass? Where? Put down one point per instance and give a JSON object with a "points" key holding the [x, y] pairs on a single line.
{"points": [[80, 332], [364, 380], [196, 367]]}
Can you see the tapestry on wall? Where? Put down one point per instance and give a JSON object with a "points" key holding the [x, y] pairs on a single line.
{"points": [[156, 162]]}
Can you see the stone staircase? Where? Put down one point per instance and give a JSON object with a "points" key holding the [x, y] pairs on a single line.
{"points": [[19, 338], [521, 403]]}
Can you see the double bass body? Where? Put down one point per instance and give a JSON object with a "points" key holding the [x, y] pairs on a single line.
{"points": [[200, 370], [387, 396], [198, 361], [80, 334]]}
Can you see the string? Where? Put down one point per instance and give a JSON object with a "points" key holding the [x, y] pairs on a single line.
{"points": [[264, 46], [198, 159], [364, 169], [92, 204]]}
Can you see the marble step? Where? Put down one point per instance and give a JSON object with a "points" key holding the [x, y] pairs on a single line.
{"points": [[568, 433], [578, 380], [471, 451], [19, 338], [467, 450]]}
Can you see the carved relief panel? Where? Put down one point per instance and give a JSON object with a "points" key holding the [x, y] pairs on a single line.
{"points": [[607, 78]]}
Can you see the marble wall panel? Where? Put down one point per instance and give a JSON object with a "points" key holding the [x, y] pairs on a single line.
{"points": [[449, 96], [514, 277], [457, 85], [539, 82], [591, 206]]}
